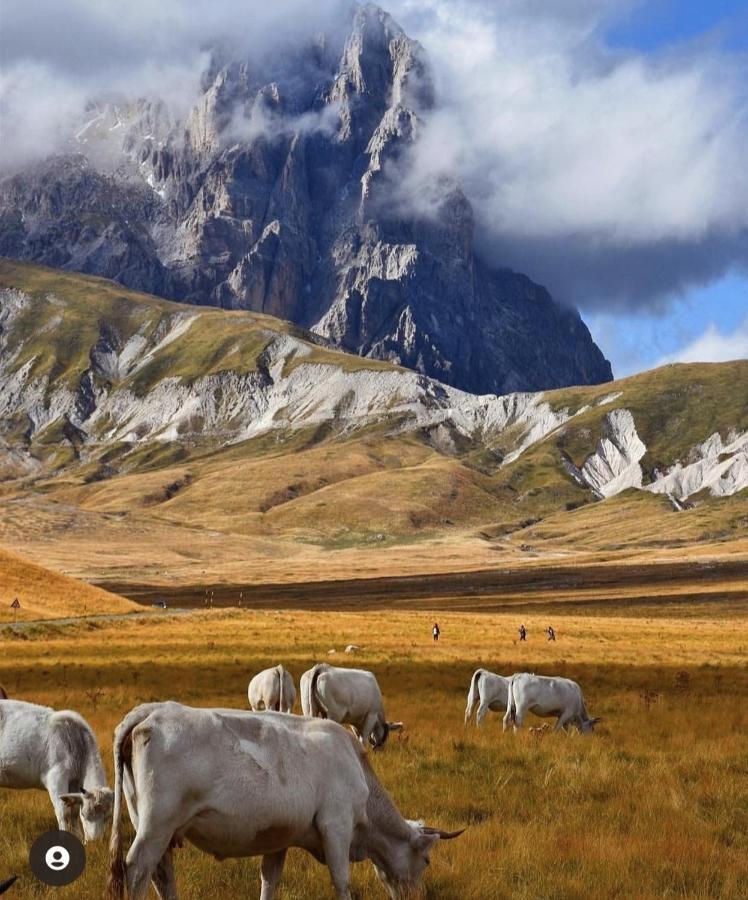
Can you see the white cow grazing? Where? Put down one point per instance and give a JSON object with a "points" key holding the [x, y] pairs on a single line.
{"points": [[56, 751], [547, 697], [254, 784], [490, 689], [272, 689], [348, 696]]}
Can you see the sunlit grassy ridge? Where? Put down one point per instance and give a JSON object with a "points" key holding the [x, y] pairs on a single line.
{"points": [[45, 594], [69, 311], [655, 804]]}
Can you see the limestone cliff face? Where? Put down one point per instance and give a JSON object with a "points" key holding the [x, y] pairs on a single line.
{"points": [[274, 195]]}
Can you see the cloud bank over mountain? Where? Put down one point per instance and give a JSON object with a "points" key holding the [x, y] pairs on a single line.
{"points": [[615, 178]]}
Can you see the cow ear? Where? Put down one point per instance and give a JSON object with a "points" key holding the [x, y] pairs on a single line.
{"points": [[424, 839], [72, 800]]}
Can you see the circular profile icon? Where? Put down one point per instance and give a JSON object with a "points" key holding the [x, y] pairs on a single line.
{"points": [[57, 858]]}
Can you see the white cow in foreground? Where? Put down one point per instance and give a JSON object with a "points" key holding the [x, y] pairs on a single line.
{"points": [[254, 784], [547, 697], [56, 751], [490, 689], [272, 689], [348, 696]]}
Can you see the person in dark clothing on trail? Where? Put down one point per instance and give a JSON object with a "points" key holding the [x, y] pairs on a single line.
{"points": [[522, 633], [435, 631], [551, 633]]}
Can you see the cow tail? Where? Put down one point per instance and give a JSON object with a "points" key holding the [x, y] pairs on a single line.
{"points": [[511, 706], [116, 882], [314, 704], [472, 694], [281, 679]]}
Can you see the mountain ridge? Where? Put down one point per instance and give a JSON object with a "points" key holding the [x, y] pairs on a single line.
{"points": [[276, 195]]}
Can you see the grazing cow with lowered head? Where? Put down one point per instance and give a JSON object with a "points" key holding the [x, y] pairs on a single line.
{"points": [[239, 784], [348, 696], [490, 689], [272, 689], [56, 751], [546, 697]]}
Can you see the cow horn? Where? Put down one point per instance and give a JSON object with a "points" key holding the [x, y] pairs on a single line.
{"points": [[395, 726], [444, 835], [6, 885]]}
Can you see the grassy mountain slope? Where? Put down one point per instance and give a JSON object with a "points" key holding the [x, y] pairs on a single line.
{"points": [[44, 594], [391, 484]]}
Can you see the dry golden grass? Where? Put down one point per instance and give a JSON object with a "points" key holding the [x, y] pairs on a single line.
{"points": [[44, 594], [654, 805], [143, 546]]}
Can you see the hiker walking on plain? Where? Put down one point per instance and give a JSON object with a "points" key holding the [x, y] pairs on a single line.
{"points": [[551, 633], [435, 631], [522, 633]]}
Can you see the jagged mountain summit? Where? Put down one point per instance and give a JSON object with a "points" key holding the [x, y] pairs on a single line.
{"points": [[278, 194]]}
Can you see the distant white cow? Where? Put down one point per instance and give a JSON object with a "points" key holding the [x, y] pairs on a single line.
{"points": [[348, 696], [239, 784], [56, 751], [490, 689], [547, 697], [272, 689]]}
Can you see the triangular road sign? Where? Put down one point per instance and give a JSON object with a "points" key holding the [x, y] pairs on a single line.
{"points": [[15, 604]]}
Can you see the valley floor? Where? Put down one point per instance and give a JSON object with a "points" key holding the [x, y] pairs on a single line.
{"points": [[655, 804]]}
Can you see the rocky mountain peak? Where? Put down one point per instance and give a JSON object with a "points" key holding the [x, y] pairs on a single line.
{"points": [[275, 194]]}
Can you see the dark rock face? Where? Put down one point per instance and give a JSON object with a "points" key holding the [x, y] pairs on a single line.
{"points": [[275, 195]]}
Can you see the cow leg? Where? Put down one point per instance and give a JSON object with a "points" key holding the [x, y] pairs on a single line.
{"points": [[482, 710], [57, 783], [143, 859], [369, 724], [271, 868], [336, 843], [563, 720], [163, 880], [518, 720]]}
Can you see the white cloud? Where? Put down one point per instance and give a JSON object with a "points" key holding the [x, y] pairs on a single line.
{"points": [[577, 158], [713, 346]]}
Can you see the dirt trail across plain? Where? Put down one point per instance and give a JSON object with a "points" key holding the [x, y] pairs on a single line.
{"points": [[103, 617]]}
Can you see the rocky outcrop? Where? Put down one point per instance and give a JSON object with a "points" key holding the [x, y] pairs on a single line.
{"points": [[717, 467], [275, 195]]}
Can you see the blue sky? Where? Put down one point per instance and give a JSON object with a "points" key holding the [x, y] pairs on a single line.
{"points": [[662, 23], [705, 324]]}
